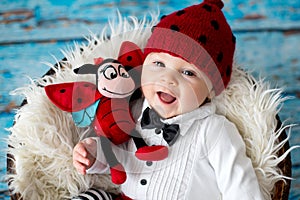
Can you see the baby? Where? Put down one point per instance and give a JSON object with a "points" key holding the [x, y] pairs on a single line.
{"points": [[188, 61]]}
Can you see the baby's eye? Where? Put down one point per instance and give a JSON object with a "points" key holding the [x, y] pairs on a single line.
{"points": [[188, 73], [159, 64]]}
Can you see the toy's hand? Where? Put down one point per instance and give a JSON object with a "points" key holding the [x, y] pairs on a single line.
{"points": [[84, 155]]}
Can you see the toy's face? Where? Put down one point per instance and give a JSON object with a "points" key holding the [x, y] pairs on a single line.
{"points": [[114, 81]]}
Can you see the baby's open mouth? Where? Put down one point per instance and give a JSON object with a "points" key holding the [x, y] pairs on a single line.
{"points": [[166, 98]]}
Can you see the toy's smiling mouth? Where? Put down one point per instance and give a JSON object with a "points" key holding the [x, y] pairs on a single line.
{"points": [[166, 98], [116, 93]]}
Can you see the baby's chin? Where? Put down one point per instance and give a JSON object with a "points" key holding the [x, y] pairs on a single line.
{"points": [[164, 112], [167, 113]]}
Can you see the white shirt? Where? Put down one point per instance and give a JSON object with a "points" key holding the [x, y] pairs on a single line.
{"points": [[208, 161]]}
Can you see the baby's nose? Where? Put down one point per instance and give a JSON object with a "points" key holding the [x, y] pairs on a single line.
{"points": [[169, 77]]}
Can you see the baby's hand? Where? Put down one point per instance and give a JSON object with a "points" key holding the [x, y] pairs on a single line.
{"points": [[84, 155]]}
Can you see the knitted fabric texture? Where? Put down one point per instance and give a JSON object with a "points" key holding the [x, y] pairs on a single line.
{"points": [[200, 35]]}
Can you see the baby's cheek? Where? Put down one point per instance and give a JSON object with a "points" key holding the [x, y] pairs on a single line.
{"points": [[147, 90], [147, 81], [191, 100]]}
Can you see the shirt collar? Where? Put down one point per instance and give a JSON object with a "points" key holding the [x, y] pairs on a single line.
{"points": [[187, 119]]}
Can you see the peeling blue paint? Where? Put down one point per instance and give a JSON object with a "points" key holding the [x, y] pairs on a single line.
{"points": [[267, 31]]}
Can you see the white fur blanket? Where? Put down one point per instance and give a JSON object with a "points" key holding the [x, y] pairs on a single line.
{"points": [[43, 136]]}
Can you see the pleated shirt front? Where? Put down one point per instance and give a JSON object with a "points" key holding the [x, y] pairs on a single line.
{"points": [[208, 161]]}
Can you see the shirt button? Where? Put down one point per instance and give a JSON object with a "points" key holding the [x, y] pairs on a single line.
{"points": [[149, 163], [157, 131], [143, 182]]}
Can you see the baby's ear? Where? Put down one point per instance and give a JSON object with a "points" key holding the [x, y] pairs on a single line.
{"points": [[211, 94], [86, 69]]}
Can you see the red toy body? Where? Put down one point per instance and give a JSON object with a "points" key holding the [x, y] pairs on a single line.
{"points": [[116, 124]]}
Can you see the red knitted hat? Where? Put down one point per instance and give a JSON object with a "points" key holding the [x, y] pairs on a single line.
{"points": [[200, 35]]}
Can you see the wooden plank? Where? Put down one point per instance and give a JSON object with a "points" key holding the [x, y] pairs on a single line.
{"points": [[52, 20], [19, 62]]}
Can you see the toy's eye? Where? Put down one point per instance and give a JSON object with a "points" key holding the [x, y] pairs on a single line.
{"points": [[122, 72], [110, 72]]}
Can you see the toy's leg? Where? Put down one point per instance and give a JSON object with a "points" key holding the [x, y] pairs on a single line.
{"points": [[148, 153], [118, 174], [94, 194], [138, 140]]}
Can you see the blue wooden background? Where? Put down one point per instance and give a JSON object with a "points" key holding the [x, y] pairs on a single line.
{"points": [[33, 31]]}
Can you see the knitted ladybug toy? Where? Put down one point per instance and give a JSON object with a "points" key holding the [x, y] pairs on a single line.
{"points": [[106, 106]]}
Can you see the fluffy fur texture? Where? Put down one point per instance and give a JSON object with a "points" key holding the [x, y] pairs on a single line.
{"points": [[43, 136], [252, 105]]}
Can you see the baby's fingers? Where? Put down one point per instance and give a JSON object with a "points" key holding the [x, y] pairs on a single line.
{"points": [[81, 168], [80, 158], [80, 149]]}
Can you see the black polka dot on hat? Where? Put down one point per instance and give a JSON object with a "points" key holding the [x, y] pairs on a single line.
{"points": [[79, 100], [129, 58], [215, 24], [180, 12], [202, 39], [62, 90], [228, 71], [86, 85], [174, 28], [220, 57], [163, 17], [207, 7]]}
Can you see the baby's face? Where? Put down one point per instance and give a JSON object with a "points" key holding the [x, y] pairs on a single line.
{"points": [[173, 86]]}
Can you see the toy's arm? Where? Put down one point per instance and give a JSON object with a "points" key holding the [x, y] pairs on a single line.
{"points": [[234, 172]]}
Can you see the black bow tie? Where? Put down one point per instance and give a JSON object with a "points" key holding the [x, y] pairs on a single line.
{"points": [[151, 119]]}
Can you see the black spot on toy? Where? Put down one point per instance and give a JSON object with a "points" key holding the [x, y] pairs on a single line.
{"points": [[215, 24], [174, 28]]}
